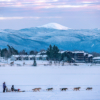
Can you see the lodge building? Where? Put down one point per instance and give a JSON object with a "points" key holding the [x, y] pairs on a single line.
{"points": [[76, 56], [79, 56]]}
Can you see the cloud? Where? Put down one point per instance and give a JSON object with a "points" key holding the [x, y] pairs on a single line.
{"points": [[6, 0], [12, 18], [49, 4], [65, 6]]}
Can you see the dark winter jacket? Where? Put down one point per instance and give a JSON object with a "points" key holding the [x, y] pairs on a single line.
{"points": [[4, 85], [12, 88]]}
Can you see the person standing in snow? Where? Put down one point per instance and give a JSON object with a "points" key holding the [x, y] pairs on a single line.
{"points": [[4, 87]]}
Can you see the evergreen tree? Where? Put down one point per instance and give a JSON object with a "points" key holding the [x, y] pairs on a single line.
{"points": [[32, 53], [55, 52], [0, 52], [4, 53], [66, 57], [59, 56], [35, 52], [14, 51], [9, 51], [34, 64], [23, 52], [50, 52]]}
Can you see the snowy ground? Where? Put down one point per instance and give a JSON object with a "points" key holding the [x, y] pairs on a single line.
{"points": [[28, 77]]}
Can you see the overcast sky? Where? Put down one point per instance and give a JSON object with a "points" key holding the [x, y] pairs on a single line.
{"points": [[76, 14]]}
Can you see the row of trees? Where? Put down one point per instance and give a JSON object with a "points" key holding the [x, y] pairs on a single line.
{"points": [[54, 54], [8, 52]]}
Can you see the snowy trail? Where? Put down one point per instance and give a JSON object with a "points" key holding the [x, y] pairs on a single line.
{"points": [[57, 95], [28, 77]]}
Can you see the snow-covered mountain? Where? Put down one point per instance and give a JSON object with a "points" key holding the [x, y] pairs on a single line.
{"points": [[37, 38], [55, 26]]}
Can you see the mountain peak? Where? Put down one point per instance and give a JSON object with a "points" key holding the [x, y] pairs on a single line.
{"points": [[55, 26]]}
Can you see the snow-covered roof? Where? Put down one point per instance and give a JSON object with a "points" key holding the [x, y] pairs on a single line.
{"points": [[44, 56], [90, 55], [43, 51], [39, 53], [96, 58], [20, 55], [68, 51], [61, 52], [78, 52], [38, 56], [15, 55], [85, 54], [24, 55], [31, 55]]}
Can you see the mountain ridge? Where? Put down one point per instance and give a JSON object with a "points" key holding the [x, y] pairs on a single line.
{"points": [[40, 38]]}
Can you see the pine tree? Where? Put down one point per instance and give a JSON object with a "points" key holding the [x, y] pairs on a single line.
{"points": [[50, 52], [65, 57], [34, 64], [14, 51], [0, 52], [55, 52], [9, 51], [32, 52], [23, 52], [4, 53]]}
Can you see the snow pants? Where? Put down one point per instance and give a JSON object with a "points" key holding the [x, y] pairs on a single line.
{"points": [[3, 89]]}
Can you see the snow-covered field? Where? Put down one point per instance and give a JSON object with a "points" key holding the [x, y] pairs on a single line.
{"points": [[28, 77]]}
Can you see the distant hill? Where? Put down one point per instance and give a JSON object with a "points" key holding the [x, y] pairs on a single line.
{"points": [[54, 26], [41, 37]]}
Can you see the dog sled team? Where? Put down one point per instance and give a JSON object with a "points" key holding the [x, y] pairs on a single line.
{"points": [[62, 89], [5, 89]]}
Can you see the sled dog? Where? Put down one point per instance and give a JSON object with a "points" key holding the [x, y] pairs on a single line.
{"points": [[63, 89], [77, 88], [89, 88], [36, 89], [49, 89]]}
